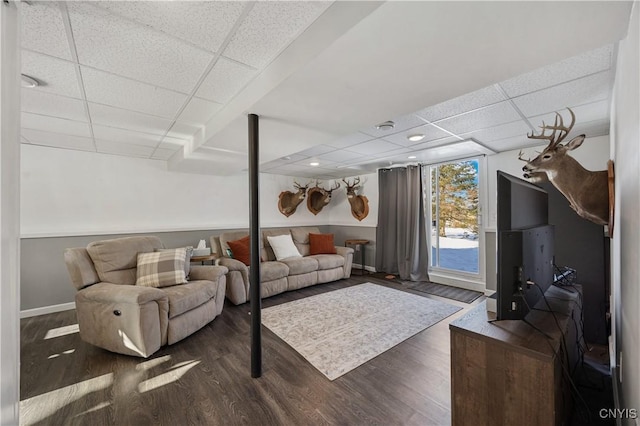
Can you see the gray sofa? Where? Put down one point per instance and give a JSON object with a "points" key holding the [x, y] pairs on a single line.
{"points": [[115, 314], [287, 274]]}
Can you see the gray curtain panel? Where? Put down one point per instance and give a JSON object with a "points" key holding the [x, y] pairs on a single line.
{"points": [[401, 236]]}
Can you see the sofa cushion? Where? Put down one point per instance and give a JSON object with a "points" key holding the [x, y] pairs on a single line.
{"points": [[301, 238], [270, 271], [300, 265], [240, 250], [267, 251], [328, 261], [162, 269], [283, 246], [115, 260], [321, 244], [183, 298]]}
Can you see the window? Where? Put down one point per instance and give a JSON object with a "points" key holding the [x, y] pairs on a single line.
{"points": [[454, 225]]}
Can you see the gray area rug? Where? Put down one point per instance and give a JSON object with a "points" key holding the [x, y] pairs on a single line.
{"points": [[342, 329]]}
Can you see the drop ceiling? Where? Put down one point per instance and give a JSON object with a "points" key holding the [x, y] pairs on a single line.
{"points": [[174, 81]]}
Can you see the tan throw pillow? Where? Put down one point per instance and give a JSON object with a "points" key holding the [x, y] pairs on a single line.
{"points": [[162, 268], [187, 262]]}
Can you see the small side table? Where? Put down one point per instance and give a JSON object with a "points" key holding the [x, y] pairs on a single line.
{"points": [[358, 243], [210, 258]]}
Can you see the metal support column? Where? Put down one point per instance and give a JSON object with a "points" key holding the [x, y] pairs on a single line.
{"points": [[254, 232]]}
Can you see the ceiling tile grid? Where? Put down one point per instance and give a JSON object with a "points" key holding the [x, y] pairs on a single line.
{"points": [[429, 131], [113, 90], [199, 111], [465, 103], [42, 103], [113, 134], [37, 137], [56, 76], [120, 148], [400, 124], [130, 120], [483, 118], [54, 125], [224, 80], [373, 147], [269, 28], [43, 30], [204, 23], [133, 50]]}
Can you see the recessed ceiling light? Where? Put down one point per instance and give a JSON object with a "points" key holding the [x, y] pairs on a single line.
{"points": [[314, 164], [28, 81], [416, 138], [411, 157], [387, 125]]}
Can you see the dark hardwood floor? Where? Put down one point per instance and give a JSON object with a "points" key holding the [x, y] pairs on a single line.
{"points": [[205, 379]]}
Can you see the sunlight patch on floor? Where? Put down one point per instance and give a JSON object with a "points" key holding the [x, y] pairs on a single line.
{"points": [[67, 352], [152, 363], [38, 408], [62, 331], [169, 377], [93, 409]]}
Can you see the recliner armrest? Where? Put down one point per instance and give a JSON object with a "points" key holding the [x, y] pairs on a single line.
{"points": [[233, 264], [119, 293], [343, 251], [207, 272]]}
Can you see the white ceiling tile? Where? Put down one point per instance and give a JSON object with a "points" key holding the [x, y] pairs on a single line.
{"points": [[43, 29], [182, 130], [478, 99], [130, 120], [125, 136], [517, 128], [134, 50], [162, 154], [349, 140], [592, 128], [341, 156], [46, 123], [37, 137], [508, 144], [203, 23], [122, 148], [437, 142], [55, 75], [224, 81], [199, 111], [561, 72], [589, 89], [316, 150], [373, 147], [109, 89], [269, 28], [584, 113], [392, 153], [401, 124], [481, 118], [429, 131], [43, 103]]}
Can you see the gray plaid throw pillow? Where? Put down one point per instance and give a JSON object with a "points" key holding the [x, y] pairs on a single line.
{"points": [[162, 268]]}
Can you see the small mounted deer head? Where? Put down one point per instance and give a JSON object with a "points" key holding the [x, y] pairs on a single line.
{"points": [[318, 197], [288, 201], [586, 191], [359, 203]]}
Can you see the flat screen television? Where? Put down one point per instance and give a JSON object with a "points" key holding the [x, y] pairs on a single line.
{"points": [[525, 246]]}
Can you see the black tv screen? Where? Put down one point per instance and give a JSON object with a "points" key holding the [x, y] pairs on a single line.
{"points": [[525, 246]]}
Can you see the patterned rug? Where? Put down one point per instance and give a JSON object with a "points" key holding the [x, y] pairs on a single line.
{"points": [[342, 329]]}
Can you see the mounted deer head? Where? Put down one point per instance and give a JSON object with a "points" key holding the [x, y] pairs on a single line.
{"points": [[318, 197], [359, 203], [288, 201], [586, 191]]}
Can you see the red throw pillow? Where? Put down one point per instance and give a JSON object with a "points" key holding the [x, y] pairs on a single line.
{"points": [[240, 250], [321, 244]]}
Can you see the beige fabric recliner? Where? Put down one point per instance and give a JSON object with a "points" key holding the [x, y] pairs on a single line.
{"points": [[115, 314]]}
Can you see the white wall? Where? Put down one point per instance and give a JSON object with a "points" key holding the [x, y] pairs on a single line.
{"points": [[65, 192], [625, 253], [593, 154], [9, 214]]}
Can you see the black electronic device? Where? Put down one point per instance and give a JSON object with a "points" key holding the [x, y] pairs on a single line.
{"points": [[525, 246]]}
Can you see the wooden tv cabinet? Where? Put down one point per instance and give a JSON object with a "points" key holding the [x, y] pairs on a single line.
{"points": [[507, 372]]}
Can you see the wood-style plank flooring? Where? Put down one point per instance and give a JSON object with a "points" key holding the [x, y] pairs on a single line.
{"points": [[206, 378]]}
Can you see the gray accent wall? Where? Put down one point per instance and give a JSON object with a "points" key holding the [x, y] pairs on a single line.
{"points": [[44, 280]]}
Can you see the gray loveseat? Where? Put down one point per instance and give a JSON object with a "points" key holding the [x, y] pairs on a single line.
{"points": [[117, 315], [287, 274]]}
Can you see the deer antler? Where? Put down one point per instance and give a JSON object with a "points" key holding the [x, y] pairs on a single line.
{"points": [[559, 127], [520, 154], [330, 190]]}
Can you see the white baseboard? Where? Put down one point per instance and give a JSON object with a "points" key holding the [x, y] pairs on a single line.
{"points": [[357, 266], [47, 310], [457, 282]]}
